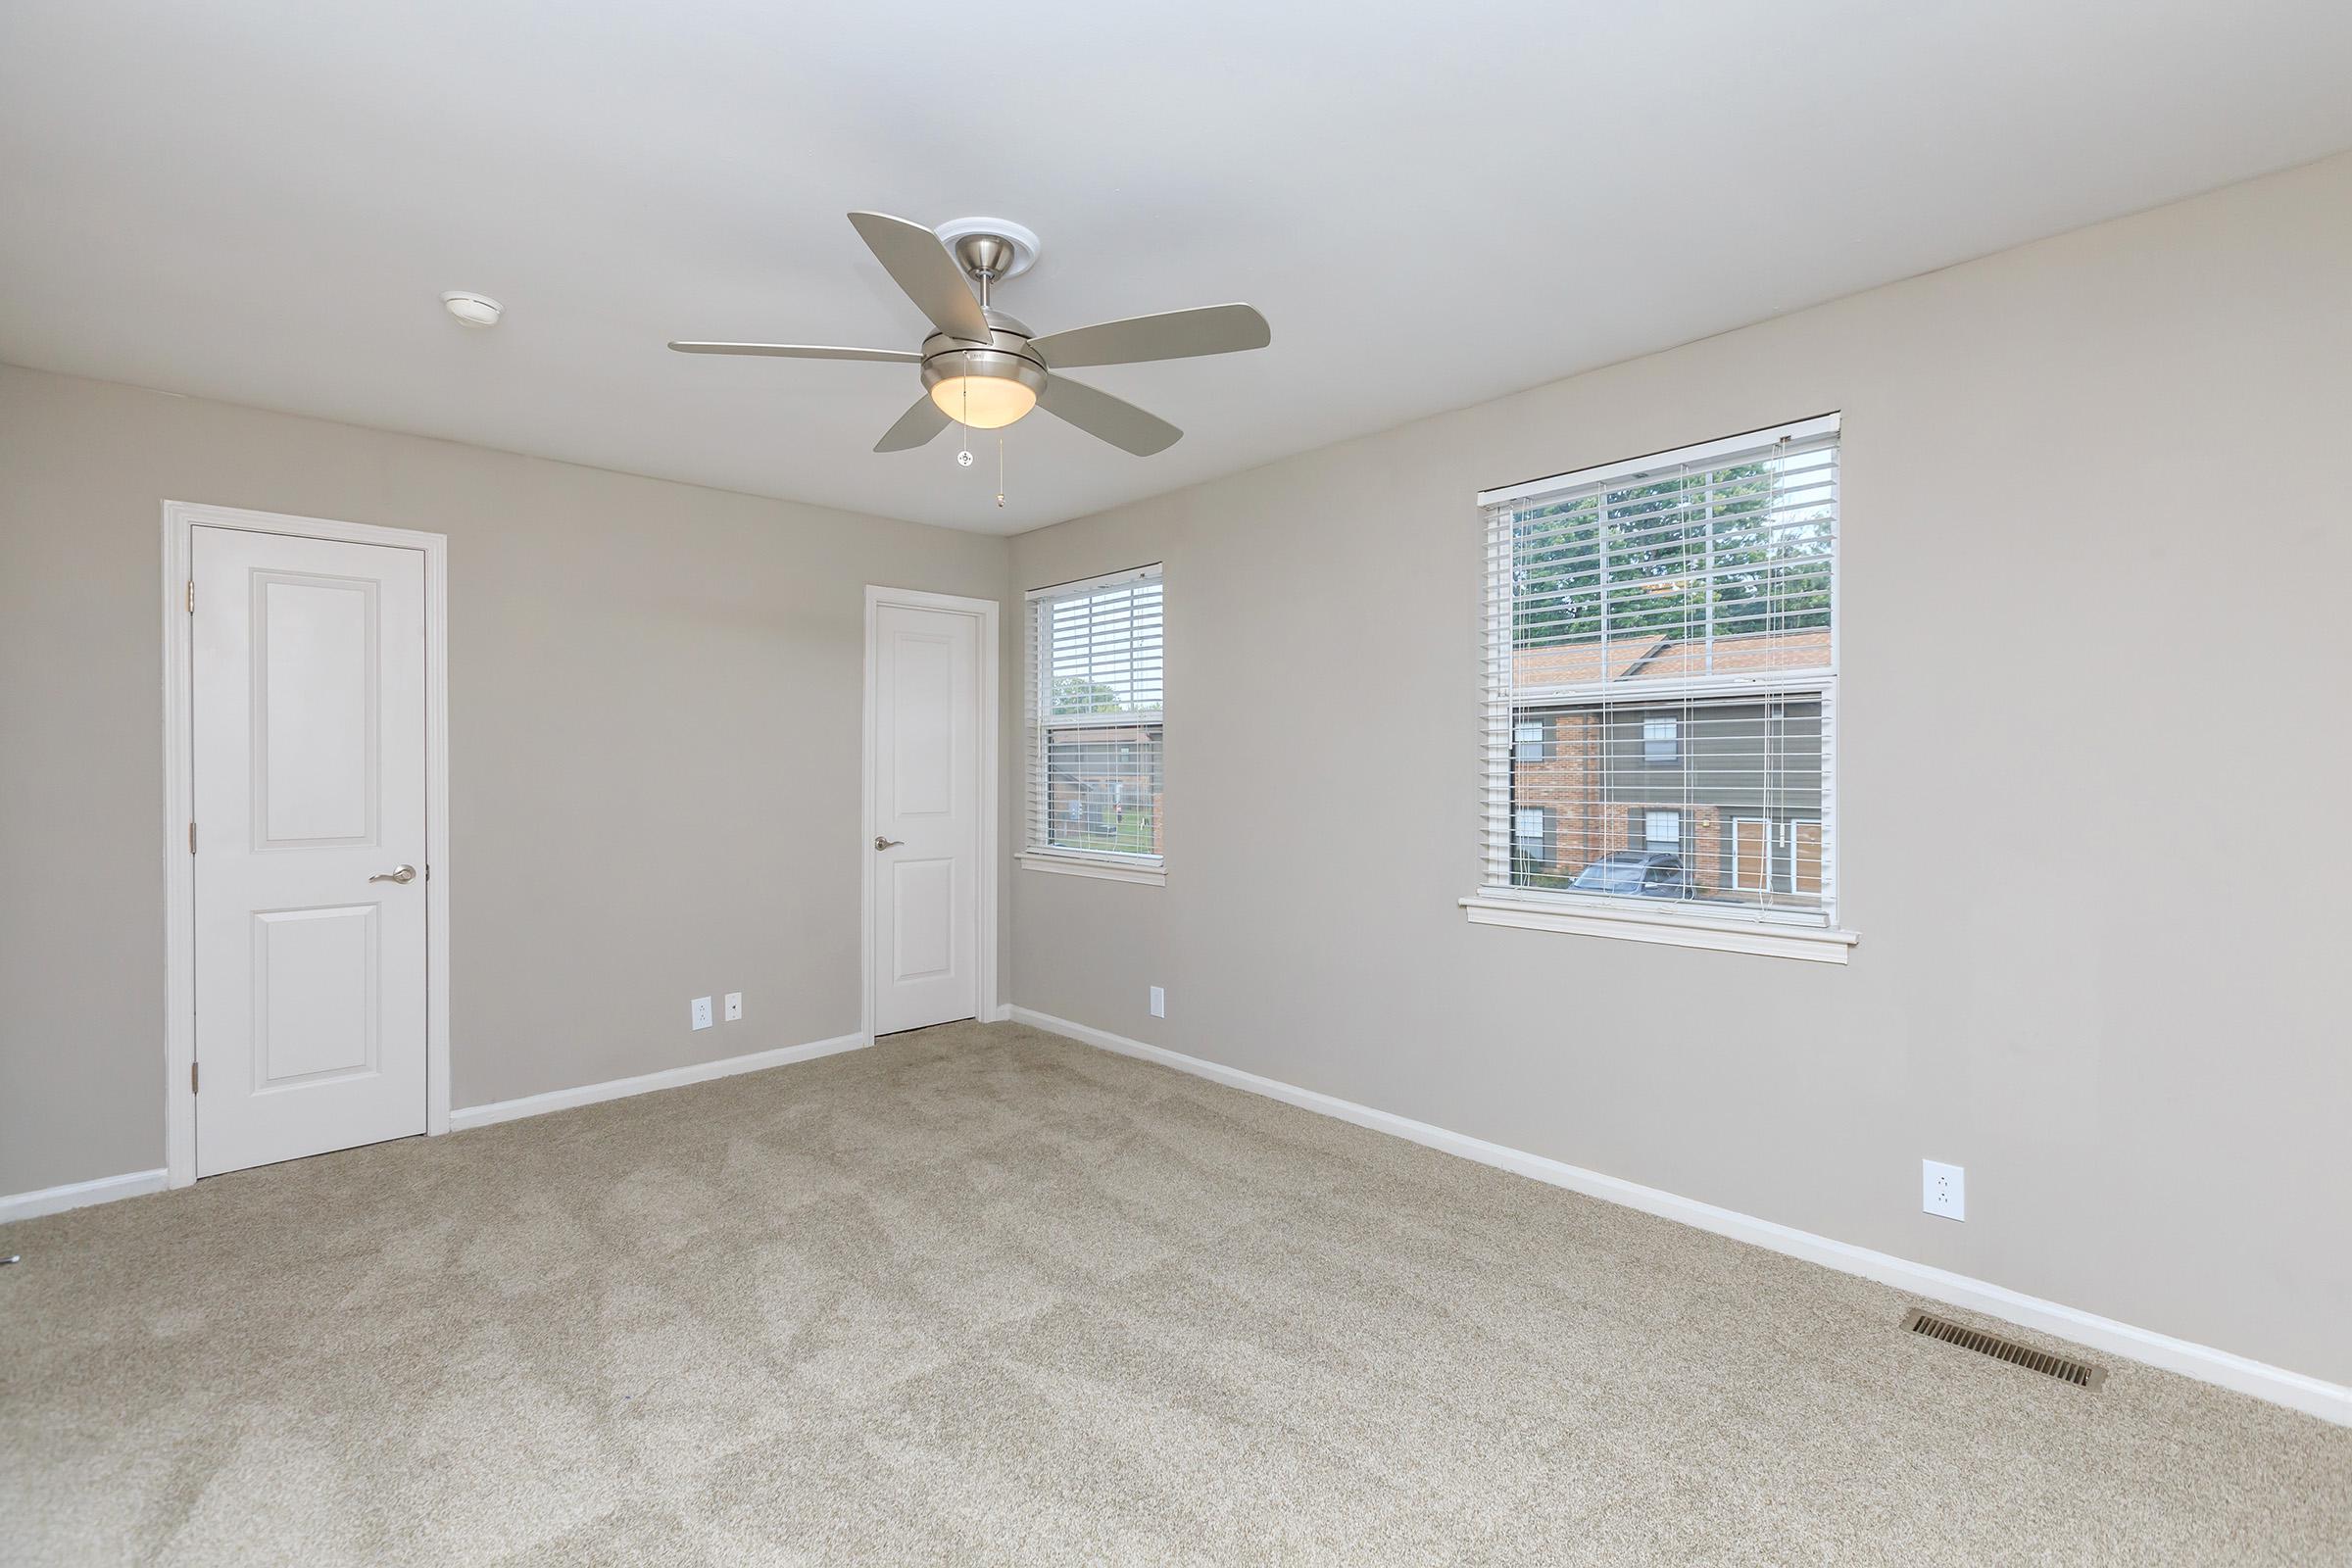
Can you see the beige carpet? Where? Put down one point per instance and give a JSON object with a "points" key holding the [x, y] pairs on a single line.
{"points": [[980, 1295]]}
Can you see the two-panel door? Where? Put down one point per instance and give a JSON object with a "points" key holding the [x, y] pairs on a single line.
{"points": [[308, 714], [925, 769]]}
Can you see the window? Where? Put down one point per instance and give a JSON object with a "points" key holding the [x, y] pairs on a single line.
{"points": [[1663, 832], [1676, 612], [1531, 835], [1094, 710], [1529, 748]]}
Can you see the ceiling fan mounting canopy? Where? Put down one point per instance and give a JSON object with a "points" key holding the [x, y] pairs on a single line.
{"points": [[997, 246], [984, 256], [985, 368]]}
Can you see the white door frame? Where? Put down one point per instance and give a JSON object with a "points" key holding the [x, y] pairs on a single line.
{"points": [[181, 519], [984, 612], [1765, 823]]}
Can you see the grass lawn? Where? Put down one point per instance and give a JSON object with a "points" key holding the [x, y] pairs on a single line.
{"points": [[1133, 837]]}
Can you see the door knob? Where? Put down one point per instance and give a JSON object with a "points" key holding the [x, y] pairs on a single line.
{"points": [[881, 843], [405, 873]]}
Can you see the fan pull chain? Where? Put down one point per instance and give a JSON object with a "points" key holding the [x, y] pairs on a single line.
{"points": [[999, 473], [963, 458]]}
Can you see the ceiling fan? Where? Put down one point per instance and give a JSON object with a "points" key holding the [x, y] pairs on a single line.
{"points": [[983, 369]]}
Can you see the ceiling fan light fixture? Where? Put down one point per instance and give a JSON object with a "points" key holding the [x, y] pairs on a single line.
{"points": [[982, 402], [987, 388]]}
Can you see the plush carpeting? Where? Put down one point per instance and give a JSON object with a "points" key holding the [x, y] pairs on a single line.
{"points": [[982, 1295]]}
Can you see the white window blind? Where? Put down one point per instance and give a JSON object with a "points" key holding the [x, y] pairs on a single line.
{"points": [[1096, 708], [1671, 622]]}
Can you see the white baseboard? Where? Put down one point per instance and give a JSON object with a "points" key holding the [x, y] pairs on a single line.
{"points": [[2329, 1402], [670, 1078], [131, 1184], [74, 1195]]}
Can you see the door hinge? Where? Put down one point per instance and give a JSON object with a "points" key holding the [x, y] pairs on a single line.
{"points": [[191, 596], [191, 1077], [191, 837]]}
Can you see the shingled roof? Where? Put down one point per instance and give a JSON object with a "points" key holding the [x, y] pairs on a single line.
{"points": [[1657, 656]]}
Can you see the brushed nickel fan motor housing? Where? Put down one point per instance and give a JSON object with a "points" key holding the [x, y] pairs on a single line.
{"points": [[1009, 357]]}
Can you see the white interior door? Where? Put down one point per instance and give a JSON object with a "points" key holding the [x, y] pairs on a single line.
{"points": [[307, 703], [925, 769]]}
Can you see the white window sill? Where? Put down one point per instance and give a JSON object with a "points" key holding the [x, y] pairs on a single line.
{"points": [[1149, 870], [1812, 943]]}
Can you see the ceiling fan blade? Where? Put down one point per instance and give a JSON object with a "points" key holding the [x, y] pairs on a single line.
{"points": [[802, 351], [918, 426], [1169, 336], [1108, 419], [920, 264]]}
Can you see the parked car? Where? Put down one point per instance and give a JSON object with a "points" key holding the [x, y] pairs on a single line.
{"points": [[1638, 873]]}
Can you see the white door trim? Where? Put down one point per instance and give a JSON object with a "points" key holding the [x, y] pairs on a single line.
{"points": [[984, 612], [181, 518]]}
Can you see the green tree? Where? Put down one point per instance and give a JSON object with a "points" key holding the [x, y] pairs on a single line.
{"points": [[1723, 553], [1075, 694]]}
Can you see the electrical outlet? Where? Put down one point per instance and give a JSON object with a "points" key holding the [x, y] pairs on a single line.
{"points": [[701, 1013], [734, 1007], [1160, 1001], [1942, 1190]]}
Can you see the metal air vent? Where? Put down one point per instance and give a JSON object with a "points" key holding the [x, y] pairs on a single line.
{"points": [[2082, 1374]]}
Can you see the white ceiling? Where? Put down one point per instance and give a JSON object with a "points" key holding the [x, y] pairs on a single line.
{"points": [[261, 199]]}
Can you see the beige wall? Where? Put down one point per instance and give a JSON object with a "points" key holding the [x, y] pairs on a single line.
{"points": [[655, 719], [2094, 739], [2099, 960]]}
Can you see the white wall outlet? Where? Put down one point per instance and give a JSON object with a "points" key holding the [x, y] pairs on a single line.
{"points": [[734, 1007], [1942, 1190], [701, 1013], [1160, 1001]]}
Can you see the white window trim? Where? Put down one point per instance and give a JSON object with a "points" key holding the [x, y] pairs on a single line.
{"points": [[1673, 739], [1110, 579], [1636, 468], [1151, 869], [1599, 917], [1106, 865], [1627, 919]]}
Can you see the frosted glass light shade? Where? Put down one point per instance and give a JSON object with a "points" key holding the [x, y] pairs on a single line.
{"points": [[982, 402]]}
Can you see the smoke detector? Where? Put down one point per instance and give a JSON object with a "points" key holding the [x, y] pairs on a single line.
{"points": [[475, 310]]}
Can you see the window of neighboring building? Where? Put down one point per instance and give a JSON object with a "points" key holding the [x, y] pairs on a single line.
{"points": [[1095, 710], [1672, 610], [1531, 835], [1663, 832]]}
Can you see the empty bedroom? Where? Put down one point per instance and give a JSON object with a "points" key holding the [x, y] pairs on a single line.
{"points": [[1518, 783]]}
